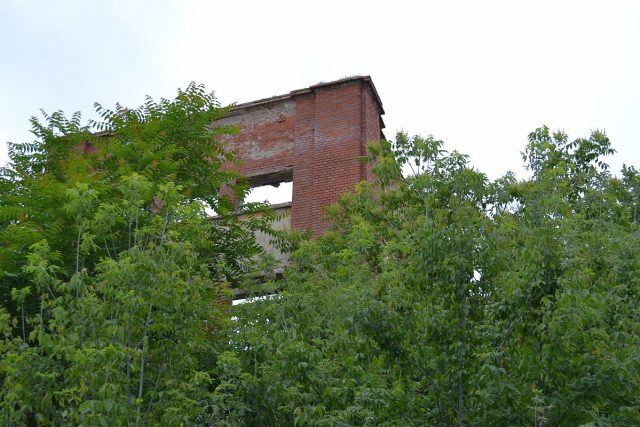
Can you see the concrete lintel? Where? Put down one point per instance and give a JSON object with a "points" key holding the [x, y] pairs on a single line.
{"points": [[271, 177]]}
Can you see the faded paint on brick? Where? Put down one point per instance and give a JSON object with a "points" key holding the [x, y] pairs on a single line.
{"points": [[264, 132]]}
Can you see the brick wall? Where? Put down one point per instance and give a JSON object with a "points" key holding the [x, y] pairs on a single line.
{"points": [[312, 136]]}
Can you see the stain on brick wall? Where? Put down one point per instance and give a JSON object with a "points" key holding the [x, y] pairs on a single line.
{"points": [[312, 136]]}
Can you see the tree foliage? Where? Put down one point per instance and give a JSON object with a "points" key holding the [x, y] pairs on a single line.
{"points": [[116, 279], [438, 298], [442, 298]]}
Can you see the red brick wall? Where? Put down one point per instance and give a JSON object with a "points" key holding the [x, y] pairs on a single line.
{"points": [[319, 132]]}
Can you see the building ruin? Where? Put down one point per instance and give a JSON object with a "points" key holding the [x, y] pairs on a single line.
{"points": [[311, 137]]}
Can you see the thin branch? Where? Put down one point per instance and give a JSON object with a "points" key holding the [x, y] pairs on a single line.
{"points": [[144, 342]]}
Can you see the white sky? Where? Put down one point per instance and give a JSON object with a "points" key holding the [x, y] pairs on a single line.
{"points": [[478, 74]]}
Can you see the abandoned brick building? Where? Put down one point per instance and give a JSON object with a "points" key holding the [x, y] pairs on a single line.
{"points": [[311, 137]]}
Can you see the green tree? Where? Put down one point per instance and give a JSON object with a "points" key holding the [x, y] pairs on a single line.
{"points": [[117, 279], [441, 298]]}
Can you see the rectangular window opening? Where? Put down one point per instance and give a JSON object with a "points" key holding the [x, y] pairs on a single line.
{"points": [[271, 194]]}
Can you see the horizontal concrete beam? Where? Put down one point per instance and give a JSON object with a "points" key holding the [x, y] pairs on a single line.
{"points": [[275, 177]]}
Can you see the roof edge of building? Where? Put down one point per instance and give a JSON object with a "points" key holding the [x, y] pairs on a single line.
{"points": [[297, 92]]}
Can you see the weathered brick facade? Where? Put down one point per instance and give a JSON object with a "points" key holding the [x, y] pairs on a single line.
{"points": [[312, 137]]}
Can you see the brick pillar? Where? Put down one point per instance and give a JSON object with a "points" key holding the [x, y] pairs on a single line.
{"points": [[303, 203], [333, 124]]}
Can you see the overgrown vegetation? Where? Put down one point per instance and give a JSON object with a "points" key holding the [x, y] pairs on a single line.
{"points": [[439, 298], [442, 298], [114, 282]]}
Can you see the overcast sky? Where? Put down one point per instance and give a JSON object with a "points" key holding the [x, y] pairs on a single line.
{"points": [[478, 74]]}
